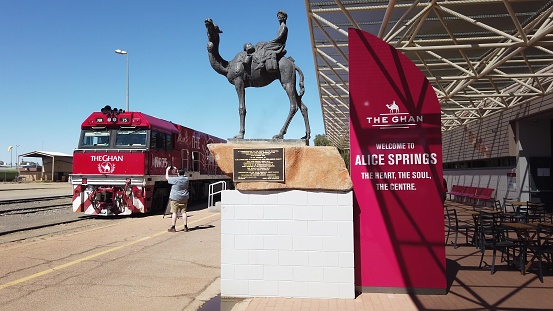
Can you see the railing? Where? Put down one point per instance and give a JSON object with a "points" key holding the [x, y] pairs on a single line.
{"points": [[212, 193]]}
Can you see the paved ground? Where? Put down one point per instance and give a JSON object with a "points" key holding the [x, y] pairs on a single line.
{"points": [[130, 263], [470, 288], [139, 265], [19, 226]]}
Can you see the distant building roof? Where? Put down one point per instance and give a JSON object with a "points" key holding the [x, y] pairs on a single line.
{"points": [[45, 154], [56, 156]]}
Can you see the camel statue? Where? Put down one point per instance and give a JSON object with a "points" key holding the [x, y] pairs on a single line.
{"points": [[247, 69]]}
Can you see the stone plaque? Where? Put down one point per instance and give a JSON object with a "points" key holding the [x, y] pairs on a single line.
{"points": [[266, 164]]}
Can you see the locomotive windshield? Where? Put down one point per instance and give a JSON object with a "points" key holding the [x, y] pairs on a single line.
{"points": [[112, 138], [131, 138], [95, 138]]}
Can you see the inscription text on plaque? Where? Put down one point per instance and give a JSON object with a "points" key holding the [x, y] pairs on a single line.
{"points": [[265, 164]]}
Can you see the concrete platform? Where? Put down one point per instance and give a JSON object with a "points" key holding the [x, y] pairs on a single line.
{"points": [[147, 268], [469, 288]]}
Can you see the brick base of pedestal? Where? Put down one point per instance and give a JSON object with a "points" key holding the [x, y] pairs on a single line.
{"points": [[292, 243]]}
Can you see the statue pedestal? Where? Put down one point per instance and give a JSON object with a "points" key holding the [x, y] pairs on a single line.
{"points": [[306, 167], [288, 239]]}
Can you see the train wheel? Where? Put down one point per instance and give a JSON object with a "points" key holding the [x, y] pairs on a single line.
{"points": [[157, 200], [119, 205], [160, 200]]}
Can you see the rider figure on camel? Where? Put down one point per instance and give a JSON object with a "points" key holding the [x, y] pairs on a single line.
{"points": [[269, 51]]}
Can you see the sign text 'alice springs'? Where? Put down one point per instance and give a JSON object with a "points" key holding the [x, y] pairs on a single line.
{"points": [[395, 158]]}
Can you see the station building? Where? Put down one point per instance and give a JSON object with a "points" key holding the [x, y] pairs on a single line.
{"points": [[56, 166], [491, 66]]}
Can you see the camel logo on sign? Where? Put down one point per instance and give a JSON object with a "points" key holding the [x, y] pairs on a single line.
{"points": [[106, 167], [394, 119], [393, 107]]}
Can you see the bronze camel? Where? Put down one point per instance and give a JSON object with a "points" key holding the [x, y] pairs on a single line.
{"points": [[243, 72]]}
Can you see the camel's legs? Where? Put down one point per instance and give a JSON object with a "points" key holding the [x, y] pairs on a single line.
{"points": [[241, 91], [290, 89], [303, 109]]}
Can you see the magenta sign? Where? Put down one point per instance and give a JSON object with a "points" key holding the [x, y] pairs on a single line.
{"points": [[396, 169]]}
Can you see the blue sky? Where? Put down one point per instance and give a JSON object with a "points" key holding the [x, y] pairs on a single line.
{"points": [[57, 65]]}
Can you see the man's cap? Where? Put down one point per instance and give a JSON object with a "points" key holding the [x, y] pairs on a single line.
{"points": [[283, 13]]}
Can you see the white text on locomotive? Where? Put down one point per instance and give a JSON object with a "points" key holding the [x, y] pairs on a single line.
{"points": [[106, 158]]}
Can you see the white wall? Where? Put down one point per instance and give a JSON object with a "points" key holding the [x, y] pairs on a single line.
{"points": [[521, 132], [287, 244]]}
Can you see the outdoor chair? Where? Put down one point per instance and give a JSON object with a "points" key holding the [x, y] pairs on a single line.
{"points": [[548, 216], [508, 211], [497, 206], [482, 196], [543, 248], [456, 191], [471, 195], [454, 225], [536, 213], [521, 214], [467, 193], [492, 237], [476, 224]]}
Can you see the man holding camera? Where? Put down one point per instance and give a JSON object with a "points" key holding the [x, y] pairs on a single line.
{"points": [[178, 197]]}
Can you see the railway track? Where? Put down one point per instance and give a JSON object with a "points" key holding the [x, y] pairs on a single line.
{"points": [[29, 214], [32, 205], [27, 210], [26, 200]]}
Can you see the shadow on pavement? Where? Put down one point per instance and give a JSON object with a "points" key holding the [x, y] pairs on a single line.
{"points": [[201, 227]]}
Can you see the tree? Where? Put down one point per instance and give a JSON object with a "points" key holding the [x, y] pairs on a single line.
{"points": [[322, 140], [345, 155]]}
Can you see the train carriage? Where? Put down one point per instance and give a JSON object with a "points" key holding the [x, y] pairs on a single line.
{"points": [[119, 165]]}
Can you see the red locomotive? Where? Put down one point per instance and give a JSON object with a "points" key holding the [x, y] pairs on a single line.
{"points": [[119, 166]]}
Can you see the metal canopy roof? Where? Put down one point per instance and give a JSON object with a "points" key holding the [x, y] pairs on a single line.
{"points": [[39, 154], [481, 56]]}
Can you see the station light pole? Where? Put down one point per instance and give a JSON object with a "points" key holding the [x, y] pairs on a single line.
{"points": [[127, 56], [17, 160], [16, 156], [11, 156]]}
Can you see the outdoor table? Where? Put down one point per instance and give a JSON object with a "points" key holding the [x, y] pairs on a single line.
{"points": [[483, 210], [532, 209], [526, 232], [517, 203], [524, 203]]}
